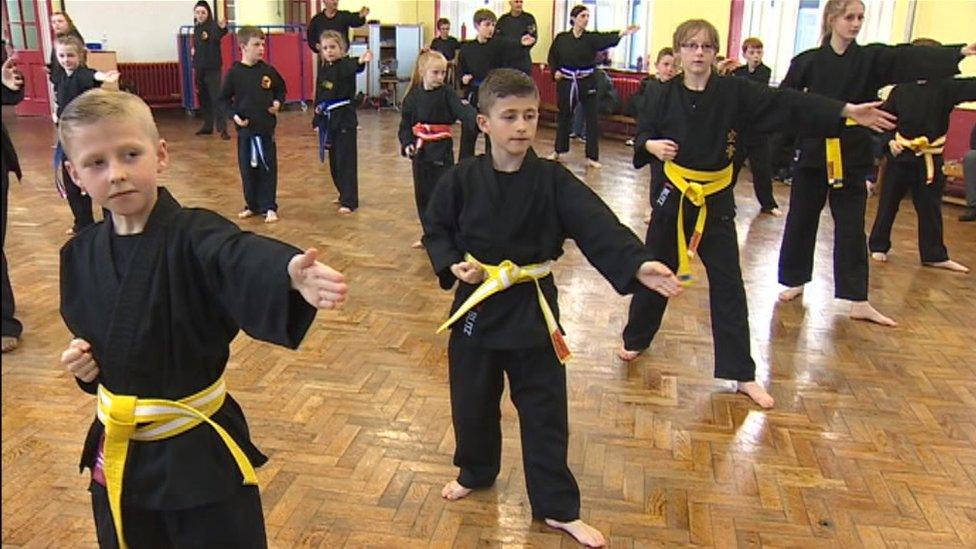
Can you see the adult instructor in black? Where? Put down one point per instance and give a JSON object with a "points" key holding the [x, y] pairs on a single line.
{"points": [[330, 18], [515, 24], [207, 63]]}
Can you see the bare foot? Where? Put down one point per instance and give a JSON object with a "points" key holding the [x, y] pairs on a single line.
{"points": [[647, 219], [862, 310], [581, 531], [271, 217], [245, 213], [70, 231], [949, 265], [344, 210], [553, 156], [453, 491], [775, 212], [879, 256], [757, 393], [417, 245], [593, 164], [627, 356], [9, 343], [790, 294]]}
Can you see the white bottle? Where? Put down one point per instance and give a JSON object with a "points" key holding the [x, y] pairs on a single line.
{"points": [[104, 42]]}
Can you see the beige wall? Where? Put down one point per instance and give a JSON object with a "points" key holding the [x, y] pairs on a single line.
{"points": [[948, 21]]}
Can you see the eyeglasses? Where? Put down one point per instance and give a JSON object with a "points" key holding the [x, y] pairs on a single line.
{"points": [[691, 46]]}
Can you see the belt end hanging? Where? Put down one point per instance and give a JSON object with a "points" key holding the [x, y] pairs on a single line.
{"points": [[559, 345]]}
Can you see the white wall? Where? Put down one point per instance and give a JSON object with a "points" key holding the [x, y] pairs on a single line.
{"points": [[137, 30]]}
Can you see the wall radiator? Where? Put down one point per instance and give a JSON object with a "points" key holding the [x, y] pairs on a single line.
{"points": [[156, 83]]}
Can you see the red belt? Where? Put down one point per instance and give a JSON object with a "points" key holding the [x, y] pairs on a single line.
{"points": [[430, 132]]}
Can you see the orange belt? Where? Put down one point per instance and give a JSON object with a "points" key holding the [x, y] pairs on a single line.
{"points": [[430, 132]]}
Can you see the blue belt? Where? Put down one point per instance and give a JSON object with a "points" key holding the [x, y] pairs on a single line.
{"points": [[575, 75], [257, 152], [325, 109]]}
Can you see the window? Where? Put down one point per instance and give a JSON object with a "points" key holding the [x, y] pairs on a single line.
{"points": [[612, 15], [297, 12], [788, 27], [21, 25], [230, 11]]}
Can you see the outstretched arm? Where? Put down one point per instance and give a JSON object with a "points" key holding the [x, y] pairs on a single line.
{"points": [[608, 245]]}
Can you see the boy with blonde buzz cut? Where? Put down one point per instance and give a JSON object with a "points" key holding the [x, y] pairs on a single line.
{"points": [[153, 296], [495, 225]]}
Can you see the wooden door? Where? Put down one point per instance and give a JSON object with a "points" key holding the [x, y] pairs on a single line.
{"points": [[23, 24]]}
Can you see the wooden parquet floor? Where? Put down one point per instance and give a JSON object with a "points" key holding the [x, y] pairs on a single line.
{"points": [[873, 441]]}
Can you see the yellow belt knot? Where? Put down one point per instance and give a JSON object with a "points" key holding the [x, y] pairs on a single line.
{"points": [[921, 146], [503, 276], [686, 180], [835, 162], [128, 418]]}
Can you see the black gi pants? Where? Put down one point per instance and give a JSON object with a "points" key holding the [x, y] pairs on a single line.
{"points": [[344, 167], [208, 89], [757, 150], [587, 96], [11, 326], [80, 204], [469, 140], [260, 184], [537, 382], [235, 522], [425, 177], [808, 194], [900, 176], [719, 252]]}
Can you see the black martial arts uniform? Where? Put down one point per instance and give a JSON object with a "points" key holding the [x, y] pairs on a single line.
{"points": [[525, 217], [160, 310], [11, 326], [336, 81], [438, 106], [248, 92], [855, 77], [638, 102], [923, 110], [207, 64], [478, 59], [341, 22], [448, 47], [755, 147], [705, 125], [515, 27], [66, 88], [570, 53]]}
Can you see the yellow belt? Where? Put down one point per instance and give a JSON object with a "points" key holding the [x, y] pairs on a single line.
{"points": [[835, 162], [502, 277], [922, 147], [709, 184], [146, 419]]}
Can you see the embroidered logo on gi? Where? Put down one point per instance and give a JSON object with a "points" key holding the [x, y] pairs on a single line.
{"points": [[469, 322], [266, 82], [730, 139], [204, 36], [327, 84]]}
